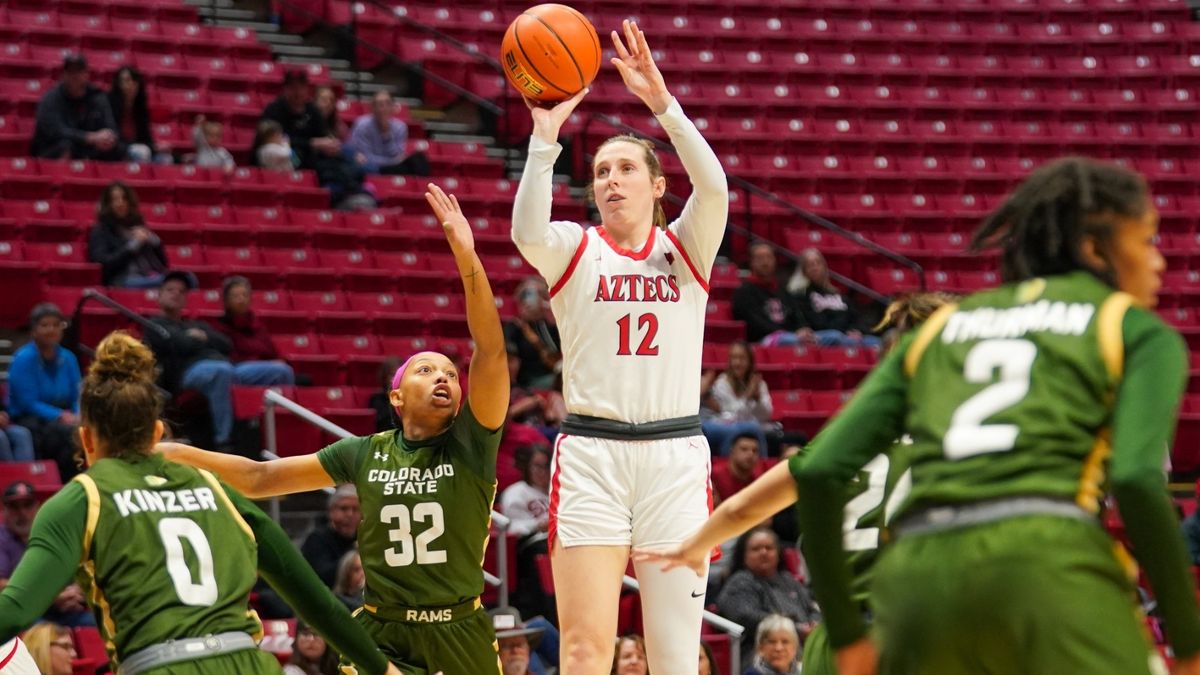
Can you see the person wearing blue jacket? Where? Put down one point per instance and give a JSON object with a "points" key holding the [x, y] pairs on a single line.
{"points": [[43, 389]]}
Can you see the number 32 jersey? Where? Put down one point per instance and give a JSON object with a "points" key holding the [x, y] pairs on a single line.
{"points": [[632, 327], [426, 509]]}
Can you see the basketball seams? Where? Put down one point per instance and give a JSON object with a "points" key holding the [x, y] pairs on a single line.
{"points": [[566, 49], [591, 31], [529, 61]]}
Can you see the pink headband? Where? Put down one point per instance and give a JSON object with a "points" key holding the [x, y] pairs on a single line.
{"points": [[400, 371]]}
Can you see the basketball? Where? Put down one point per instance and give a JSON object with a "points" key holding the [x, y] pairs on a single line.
{"points": [[550, 52]]}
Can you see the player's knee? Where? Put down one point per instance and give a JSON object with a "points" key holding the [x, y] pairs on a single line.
{"points": [[584, 649]]}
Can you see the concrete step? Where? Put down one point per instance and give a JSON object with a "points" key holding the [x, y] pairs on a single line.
{"points": [[447, 127], [464, 138], [261, 27], [340, 64], [281, 39], [211, 3], [351, 75], [294, 51], [228, 14]]}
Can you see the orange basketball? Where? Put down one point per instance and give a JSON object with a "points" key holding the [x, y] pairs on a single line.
{"points": [[550, 52]]}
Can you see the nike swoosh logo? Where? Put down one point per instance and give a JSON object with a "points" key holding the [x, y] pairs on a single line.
{"points": [[697, 595]]}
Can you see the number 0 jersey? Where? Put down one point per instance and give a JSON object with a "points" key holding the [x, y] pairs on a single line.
{"points": [[1011, 392], [426, 509], [166, 554]]}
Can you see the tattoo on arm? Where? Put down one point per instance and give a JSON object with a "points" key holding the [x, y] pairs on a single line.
{"points": [[471, 275]]}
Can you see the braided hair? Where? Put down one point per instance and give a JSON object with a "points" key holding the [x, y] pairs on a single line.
{"points": [[1041, 226]]}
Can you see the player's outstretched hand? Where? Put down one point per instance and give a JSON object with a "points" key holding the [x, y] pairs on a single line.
{"points": [[548, 120], [682, 555], [449, 213], [636, 65], [859, 658], [1188, 666]]}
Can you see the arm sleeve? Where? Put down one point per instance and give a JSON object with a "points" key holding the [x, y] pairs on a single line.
{"points": [[701, 225], [511, 505], [113, 255], [1143, 425], [340, 459], [286, 572], [1191, 535], [52, 115], [761, 405], [53, 555], [548, 246], [482, 443], [76, 379], [869, 421], [216, 339], [23, 390]]}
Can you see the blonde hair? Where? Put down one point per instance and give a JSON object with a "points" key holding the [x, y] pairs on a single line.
{"points": [[652, 164], [907, 311], [39, 638], [341, 584]]}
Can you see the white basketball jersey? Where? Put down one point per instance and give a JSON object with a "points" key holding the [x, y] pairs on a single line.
{"points": [[15, 659], [632, 328]]}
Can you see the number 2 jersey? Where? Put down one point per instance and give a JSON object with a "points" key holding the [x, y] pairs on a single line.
{"points": [[631, 322], [426, 509]]}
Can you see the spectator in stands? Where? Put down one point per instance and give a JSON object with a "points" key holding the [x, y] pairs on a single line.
{"points": [[52, 648], [271, 149], [629, 658], [540, 409], [742, 469], [527, 505], [385, 415], [131, 112], [770, 313], [16, 442], [535, 335], [828, 315], [735, 402], [209, 139], [74, 120], [129, 253], [313, 144], [326, 99], [350, 581], [708, 665], [328, 544], [253, 354], [778, 647], [516, 640], [310, 654], [43, 389], [381, 141], [760, 585]]}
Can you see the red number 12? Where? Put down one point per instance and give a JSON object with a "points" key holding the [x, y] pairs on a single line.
{"points": [[647, 323]]}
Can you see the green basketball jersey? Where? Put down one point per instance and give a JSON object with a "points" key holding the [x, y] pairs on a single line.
{"points": [[1011, 392], [165, 554], [426, 509], [871, 498]]}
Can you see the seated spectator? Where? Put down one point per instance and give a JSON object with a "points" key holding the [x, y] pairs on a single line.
{"points": [[43, 389], [540, 409], [16, 442], [735, 402], [326, 545], [708, 665], [271, 149], [128, 100], [52, 648], [209, 139], [74, 120], [535, 335], [527, 505], [629, 658], [253, 354], [194, 355], [770, 313], [313, 144], [778, 647], [516, 640], [326, 99], [380, 141], [129, 253], [350, 581], [1191, 531], [760, 586], [742, 469], [310, 654], [828, 315]]}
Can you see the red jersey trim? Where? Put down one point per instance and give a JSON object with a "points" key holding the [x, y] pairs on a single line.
{"points": [[566, 275], [632, 255], [683, 254], [9, 657], [552, 525]]}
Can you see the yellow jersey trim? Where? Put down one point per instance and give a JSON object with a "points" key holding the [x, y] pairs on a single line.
{"points": [[237, 516], [1108, 332], [925, 334], [88, 567]]}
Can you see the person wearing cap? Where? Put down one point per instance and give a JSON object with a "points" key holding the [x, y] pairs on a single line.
{"points": [[129, 253], [43, 389], [325, 546], [253, 353], [425, 489], [194, 355], [517, 641], [74, 119]]}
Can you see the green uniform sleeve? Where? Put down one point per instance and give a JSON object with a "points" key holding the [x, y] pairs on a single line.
{"points": [[482, 444], [1143, 425], [869, 421], [283, 568], [340, 459], [50, 560]]}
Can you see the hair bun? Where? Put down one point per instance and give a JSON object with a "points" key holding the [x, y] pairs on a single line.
{"points": [[120, 357]]}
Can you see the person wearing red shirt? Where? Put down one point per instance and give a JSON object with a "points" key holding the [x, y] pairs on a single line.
{"points": [[741, 470]]}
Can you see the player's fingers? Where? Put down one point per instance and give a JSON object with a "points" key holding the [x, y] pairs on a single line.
{"points": [[622, 69], [435, 200], [619, 46], [641, 40], [631, 37], [454, 202]]}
